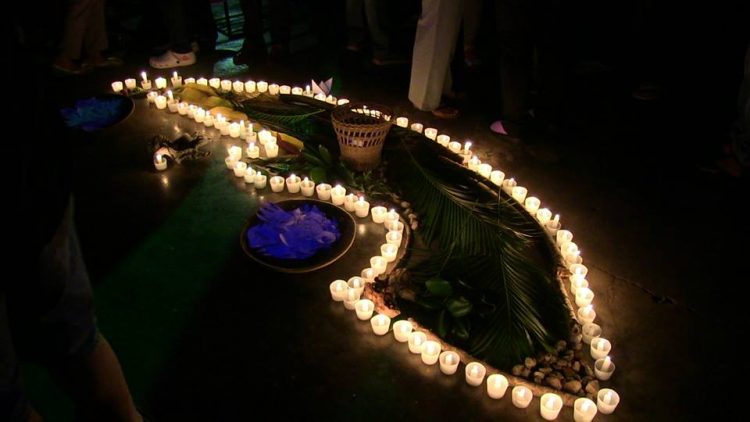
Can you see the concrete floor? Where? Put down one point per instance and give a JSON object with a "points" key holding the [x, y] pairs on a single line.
{"points": [[664, 242]]}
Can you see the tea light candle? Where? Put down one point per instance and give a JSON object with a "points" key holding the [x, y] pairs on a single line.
{"points": [[416, 341], [362, 208], [449, 361], [239, 169], [568, 247], [603, 368], [161, 102], [563, 236], [553, 225], [467, 147], [584, 410], [378, 214], [250, 136], [393, 238], [368, 275], [388, 252], [600, 348], [584, 296], [338, 290], [235, 152], [364, 309], [475, 373], [543, 215], [532, 204], [390, 217], [273, 89], [160, 163], [521, 396], [401, 330], [161, 83], [474, 163], [189, 81], [226, 85], [208, 120], [578, 270], [230, 162], [497, 384], [285, 89], [519, 193], [277, 184], [396, 226], [307, 187], [293, 183], [182, 108], [550, 405], [378, 264], [238, 86], [430, 352], [151, 96], [484, 170], [431, 133], [349, 202], [351, 298], [454, 146], [250, 87], [261, 86], [342, 101], [402, 121], [380, 324], [324, 191], [130, 83], [234, 130], [199, 115], [202, 81], [338, 195], [607, 400], [173, 106], [497, 177], [250, 175], [176, 80], [252, 151], [145, 83], [297, 91], [330, 99], [272, 150], [260, 181], [586, 314], [590, 331], [443, 140], [117, 86], [417, 127]]}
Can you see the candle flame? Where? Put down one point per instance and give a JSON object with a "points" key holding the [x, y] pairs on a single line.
{"points": [[361, 198], [174, 75], [143, 75]]}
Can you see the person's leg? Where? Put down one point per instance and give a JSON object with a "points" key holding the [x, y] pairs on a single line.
{"points": [[355, 25], [253, 46], [280, 28], [175, 19], [472, 17], [515, 50], [74, 30], [374, 14], [434, 43], [95, 40]]}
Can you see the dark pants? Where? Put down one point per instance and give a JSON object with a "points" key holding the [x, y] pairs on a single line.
{"points": [[278, 23]]}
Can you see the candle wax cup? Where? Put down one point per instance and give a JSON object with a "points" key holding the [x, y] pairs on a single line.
{"points": [[449, 362], [475, 373], [521, 396], [607, 401], [497, 384], [401, 330]]}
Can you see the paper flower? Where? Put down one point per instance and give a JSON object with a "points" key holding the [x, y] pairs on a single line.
{"points": [[322, 87]]}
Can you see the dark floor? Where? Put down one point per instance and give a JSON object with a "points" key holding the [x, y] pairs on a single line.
{"points": [[199, 330]]}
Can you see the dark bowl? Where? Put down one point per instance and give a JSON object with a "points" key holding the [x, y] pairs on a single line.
{"points": [[325, 257]]}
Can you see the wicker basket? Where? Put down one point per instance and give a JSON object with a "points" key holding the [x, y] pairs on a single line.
{"points": [[361, 130]]}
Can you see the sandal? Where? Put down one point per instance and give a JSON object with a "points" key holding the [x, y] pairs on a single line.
{"points": [[445, 112]]}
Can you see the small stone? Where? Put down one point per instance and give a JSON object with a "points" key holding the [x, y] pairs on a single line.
{"points": [[545, 370], [585, 380], [412, 216], [560, 364], [552, 360], [529, 362], [525, 372], [545, 358], [560, 346], [405, 205], [587, 369], [414, 225], [578, 346], [516, 370], [538, 374], [555, 374], [576, 366], [592, 387], [591, 397], [554, 383], [572, 386], [568, 355], [538, 380], [568, 372], [576, 330]]}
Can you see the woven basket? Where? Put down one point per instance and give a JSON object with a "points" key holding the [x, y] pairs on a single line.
{"points": [[361, 130]]}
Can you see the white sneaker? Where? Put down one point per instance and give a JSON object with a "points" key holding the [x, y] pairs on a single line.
{"points": [[171, 59]]}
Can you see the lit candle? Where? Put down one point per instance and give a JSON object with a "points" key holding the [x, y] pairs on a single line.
{"points": [[249, 175], [532, 204], [307, 187], [378, 264], [497, 384], [272, 149], [401, 330], [161, 102], [584, 410], [239, 169], [230, 162], [600, 348], [388, 252], [467, 147], [234, 130], [338, 195], [262, 86], [607, 400], [252, 150], [550, 405], [320, 96], [350, 202], [521, 396], [519, 193], [443, 140], [338, 290], [362, 208], [151, 96], [390, 217], [603, 368], [430, 352], [308, 92], [226, 85], [508, 185], [208, 120], [586, 314], [380, 324], [214, 83], [416, 341], [238, 86], [431, 133], [160, 163], [182, 108], [553, 225], [235, 152], [378, 214], [277, 184], [260, 180], [563, 236], [568, 247], [342, 101], [454, 146], [402, 121], [475, 373], [324, 191], [417, 127], [176, 80], [273, 89], [497, 177], [161, 83], [576, 283], [364, 309], [590, 331], [396, 226], [449, 361], [484, 170], [474, 163], [351, 298], [130, 83], [285, 89], [356, 282], [393, 238], [117, 86], [202, 81], [189, 81], [543, 215], [584, 296], [145, 83], [297, 91], [293, 183], [368, 275]]}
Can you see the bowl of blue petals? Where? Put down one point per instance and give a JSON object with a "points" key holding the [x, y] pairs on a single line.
{"points": [[298, 235]]}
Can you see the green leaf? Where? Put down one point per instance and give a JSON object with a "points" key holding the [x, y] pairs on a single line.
{"points": [[318, 174], [460, 328], [439, 287], [443, 324], [325, 155], [459, 306], [429, 302]]}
